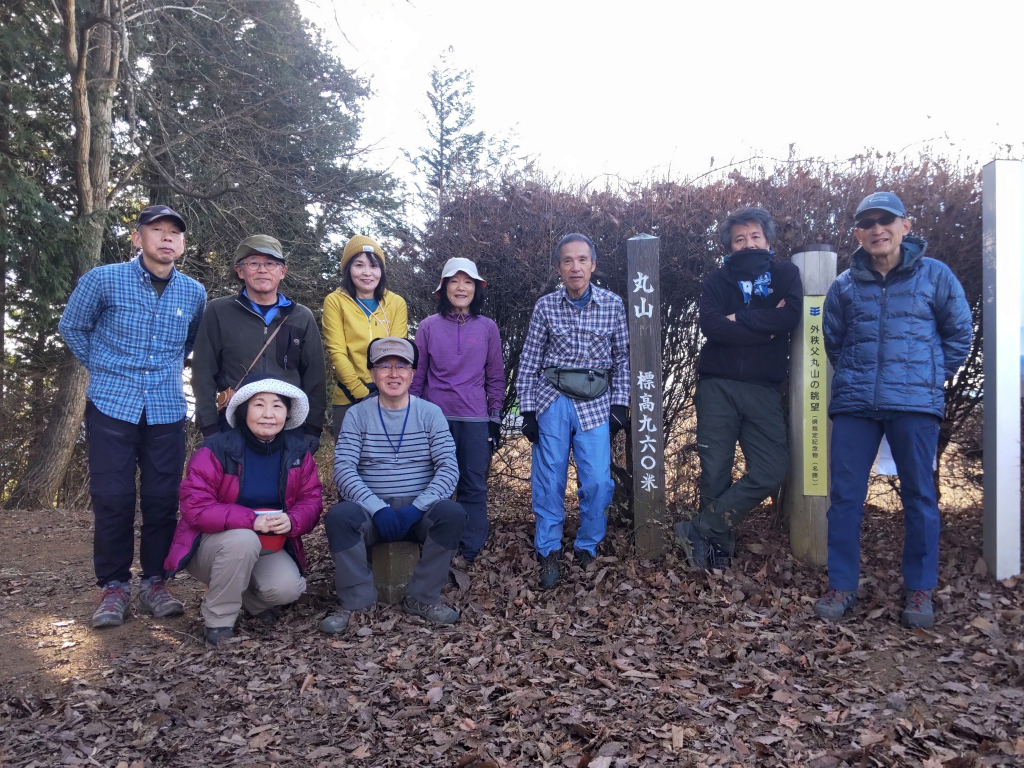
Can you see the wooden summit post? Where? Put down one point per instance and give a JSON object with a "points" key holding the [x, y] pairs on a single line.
{"points": [[810, 431], [643, 308]]}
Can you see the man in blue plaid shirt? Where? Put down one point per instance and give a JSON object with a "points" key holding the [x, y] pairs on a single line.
{"points": [[577, 346], [132, 325]]}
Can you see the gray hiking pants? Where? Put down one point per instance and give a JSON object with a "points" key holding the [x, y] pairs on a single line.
{"points": [[351, 532]]}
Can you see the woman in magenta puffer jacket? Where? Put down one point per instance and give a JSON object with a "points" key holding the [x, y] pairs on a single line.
{"points": [[248, 497]]}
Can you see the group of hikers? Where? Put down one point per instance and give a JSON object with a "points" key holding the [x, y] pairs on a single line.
{"points": [[415, 422]]}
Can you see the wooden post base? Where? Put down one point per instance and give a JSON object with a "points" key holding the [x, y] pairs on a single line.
{"points": [[393, 564]]}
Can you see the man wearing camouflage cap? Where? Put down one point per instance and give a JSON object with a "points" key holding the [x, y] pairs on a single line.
{"points": [[233, 338]]}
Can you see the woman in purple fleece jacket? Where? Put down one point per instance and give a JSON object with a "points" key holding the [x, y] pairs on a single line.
{"points": [[462, 372]]}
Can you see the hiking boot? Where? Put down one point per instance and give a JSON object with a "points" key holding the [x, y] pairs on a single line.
{"points": [[216, 635], [438, 613], [699, 550], [337, 622], [114, 605], [834, 604], [918, 611], [155, 599], [583, 558], [549, 571], [268, 616]]}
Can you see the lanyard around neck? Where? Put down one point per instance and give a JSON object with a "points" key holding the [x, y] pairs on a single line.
{"points": [[401, 437]]}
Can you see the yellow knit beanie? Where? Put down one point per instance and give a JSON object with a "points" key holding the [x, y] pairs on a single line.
{"points": [[357, 245]]}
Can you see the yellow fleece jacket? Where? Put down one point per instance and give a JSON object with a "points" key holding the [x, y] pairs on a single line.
{"points": [[348, 331]]}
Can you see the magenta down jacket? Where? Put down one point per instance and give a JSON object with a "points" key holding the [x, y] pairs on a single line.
{"points": [[211, 485]]}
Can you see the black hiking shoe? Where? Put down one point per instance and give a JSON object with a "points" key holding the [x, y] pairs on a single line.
{"points": [[549, 570], [583, 558], [700, 551], [216, 635]]}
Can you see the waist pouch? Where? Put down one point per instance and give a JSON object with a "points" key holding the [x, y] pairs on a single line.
{"points": [[578, 383]]}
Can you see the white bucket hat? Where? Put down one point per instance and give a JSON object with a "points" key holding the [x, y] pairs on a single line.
{"points": [[458, 264], [253, 385]]}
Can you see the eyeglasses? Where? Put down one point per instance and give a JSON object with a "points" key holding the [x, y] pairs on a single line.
{"points": [[394, 367], [254, 265], [885, 220]]}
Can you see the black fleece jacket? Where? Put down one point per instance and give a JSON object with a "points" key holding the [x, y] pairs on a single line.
{"points": [[743, 349]]}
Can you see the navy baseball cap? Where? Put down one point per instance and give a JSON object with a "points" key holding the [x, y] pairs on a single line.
{"points": [[881, 201], [151, 213]]}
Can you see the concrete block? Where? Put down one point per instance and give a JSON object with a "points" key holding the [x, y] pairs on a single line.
{"points": [[393, 564]]}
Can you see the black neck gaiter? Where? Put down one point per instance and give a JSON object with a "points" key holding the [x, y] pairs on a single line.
{"points": [[749, 264]]}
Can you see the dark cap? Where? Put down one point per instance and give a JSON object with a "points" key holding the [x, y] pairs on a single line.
{"points": [[881, 201], [151, 213]]}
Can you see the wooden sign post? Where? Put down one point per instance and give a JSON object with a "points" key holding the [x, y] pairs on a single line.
{"points": [[643, 308], [810, 430]]}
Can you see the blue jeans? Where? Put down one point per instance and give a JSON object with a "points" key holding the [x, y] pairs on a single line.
{"points": [[913, 439], [559, 431]]}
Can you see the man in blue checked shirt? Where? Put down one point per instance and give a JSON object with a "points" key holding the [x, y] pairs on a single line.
{"points": [[573, 387], [132, 325]]}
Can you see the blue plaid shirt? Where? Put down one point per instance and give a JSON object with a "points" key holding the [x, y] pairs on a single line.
{"points": [[562, 335], [133, 343]]}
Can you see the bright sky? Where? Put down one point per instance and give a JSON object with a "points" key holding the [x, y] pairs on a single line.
{"points": [[640, 87]]}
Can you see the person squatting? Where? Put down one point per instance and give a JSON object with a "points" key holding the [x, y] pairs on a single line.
{"points": [[415, 422]]}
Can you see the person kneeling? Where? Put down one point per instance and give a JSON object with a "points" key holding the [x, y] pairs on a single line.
{"points": [[248, 497], [395, 468]]}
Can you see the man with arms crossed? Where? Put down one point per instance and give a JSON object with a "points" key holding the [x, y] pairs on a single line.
{"points": [[132, 325], [747, 309]]}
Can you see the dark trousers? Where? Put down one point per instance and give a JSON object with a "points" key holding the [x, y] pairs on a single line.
{"points": [[473, 452], [729, 411], [913, 439], [351, 532], [116, 449]]}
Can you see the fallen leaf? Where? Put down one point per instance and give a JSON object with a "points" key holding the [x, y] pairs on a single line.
{"points": [[678, 737], [981, 568], [869, 737], [360, 752]]}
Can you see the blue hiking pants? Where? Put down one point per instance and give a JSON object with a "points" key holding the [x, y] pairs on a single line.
{"points": [[855, 440], [560, 431], [473, 452]]}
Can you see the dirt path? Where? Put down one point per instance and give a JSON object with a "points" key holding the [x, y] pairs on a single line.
{"points": [[627, 665]]}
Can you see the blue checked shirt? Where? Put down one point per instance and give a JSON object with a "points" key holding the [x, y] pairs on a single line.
{"points": [[561, 335], [132, 343]]}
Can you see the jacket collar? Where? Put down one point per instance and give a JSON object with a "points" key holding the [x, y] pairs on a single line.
{"points": [[596, 294], [233, 443], [912, 250]]}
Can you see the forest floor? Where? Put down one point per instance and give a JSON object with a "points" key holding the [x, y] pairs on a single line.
{"points": [[632, 663]]}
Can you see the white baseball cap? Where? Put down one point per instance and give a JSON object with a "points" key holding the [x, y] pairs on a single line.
{"points": [[459, 264]]}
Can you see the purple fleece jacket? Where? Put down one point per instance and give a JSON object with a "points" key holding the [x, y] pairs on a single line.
{"points": [[460, 367]]}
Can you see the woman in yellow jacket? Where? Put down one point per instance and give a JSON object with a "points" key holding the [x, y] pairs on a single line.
{"points": [[361, 309]]}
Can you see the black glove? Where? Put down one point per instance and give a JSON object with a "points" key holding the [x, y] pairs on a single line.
{"points": [[531, 430], [312, 442], [494, 435], [618, 419]]}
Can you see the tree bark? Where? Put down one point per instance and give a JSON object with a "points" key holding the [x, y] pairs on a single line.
{"points": [[92, 55]]}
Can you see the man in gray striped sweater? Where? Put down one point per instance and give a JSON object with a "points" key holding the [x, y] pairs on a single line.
{"points": [[395, 468]]}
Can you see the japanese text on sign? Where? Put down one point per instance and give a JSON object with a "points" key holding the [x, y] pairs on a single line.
{"points": [[815, 384]]}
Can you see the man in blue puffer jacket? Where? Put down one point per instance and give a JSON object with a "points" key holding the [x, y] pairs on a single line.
{"points": [[897, 328]]}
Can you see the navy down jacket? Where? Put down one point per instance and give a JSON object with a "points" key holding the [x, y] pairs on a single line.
{"points": [[895, 342]]}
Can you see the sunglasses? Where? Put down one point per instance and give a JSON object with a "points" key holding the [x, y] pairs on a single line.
{"points": [[885, 220]]}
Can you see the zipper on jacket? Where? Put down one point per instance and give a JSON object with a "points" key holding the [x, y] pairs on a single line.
{"points": [[881, 340], [458, 337]]}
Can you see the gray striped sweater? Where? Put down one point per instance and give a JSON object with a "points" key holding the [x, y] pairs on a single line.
{"points": [[366, 469]]}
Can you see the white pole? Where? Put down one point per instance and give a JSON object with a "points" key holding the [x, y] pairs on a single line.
{"points": [[1003, 251]]}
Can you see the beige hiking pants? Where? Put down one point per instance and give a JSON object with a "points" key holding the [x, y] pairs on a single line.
{"points": [[237, 576]]}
